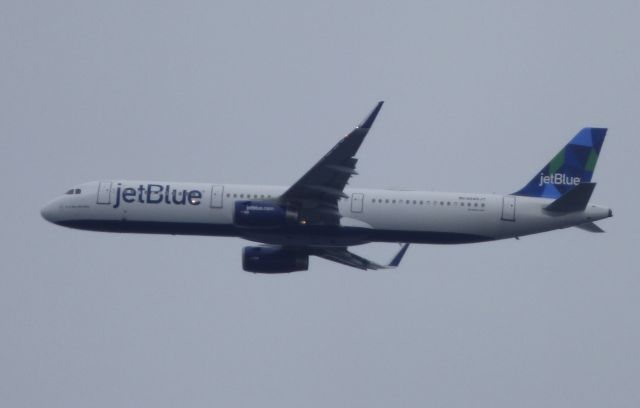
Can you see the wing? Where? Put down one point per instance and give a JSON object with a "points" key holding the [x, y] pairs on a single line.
{"points": [[316, 194], [343, 256]]}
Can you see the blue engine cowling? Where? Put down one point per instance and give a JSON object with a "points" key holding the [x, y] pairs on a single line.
{"points": [[273, 260], [262, 214]]}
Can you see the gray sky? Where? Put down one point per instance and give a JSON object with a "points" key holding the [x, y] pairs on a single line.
{"points": [[479, 97]]}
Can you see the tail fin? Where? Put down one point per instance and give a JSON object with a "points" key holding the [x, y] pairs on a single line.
{"points": [[574, 164]]}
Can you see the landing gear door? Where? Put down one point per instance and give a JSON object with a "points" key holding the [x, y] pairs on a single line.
{"points": [[508, 208], [357, 202], [216, 196], [104, 192]]}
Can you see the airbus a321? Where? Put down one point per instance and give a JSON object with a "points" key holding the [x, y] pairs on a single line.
{"points": [[317, 215]]}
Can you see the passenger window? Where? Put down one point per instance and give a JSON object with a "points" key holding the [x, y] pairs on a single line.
{"points": [[393, 201]]}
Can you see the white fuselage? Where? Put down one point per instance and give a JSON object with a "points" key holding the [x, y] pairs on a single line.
{"points": [[367, 215]]}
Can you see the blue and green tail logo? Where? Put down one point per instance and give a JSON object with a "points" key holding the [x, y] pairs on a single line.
{"points": [[573, 165]]}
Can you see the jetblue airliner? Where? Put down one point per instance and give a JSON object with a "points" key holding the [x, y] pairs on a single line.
{"points": [[318, 216]]}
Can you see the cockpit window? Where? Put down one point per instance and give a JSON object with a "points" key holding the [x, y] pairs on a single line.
{"points": [[77, 191], [69, 192]]}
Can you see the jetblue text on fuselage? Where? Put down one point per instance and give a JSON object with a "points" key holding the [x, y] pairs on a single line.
{"points": [[156, 194], [559, 179]]}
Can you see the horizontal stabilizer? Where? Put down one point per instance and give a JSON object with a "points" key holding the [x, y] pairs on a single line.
{"points": [[590, 226], [575, 199]]}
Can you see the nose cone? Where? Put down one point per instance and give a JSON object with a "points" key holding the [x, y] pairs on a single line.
{"points": [[49, 212]]}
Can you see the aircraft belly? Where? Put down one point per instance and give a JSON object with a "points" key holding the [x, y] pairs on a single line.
{"points": [[309, 236]]}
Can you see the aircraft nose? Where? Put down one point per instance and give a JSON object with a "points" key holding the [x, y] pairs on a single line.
{"points": [[48, 212]]}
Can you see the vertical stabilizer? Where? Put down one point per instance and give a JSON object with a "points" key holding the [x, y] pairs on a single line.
{"points": [[574, 164]]}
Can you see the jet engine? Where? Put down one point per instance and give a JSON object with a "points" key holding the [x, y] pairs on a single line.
{"points": [[262, 214], [273, 260]]}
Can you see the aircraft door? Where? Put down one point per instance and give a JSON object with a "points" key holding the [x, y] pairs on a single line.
{"points": [[357, 202], [217, 193], [508, 208], [104, 192]]}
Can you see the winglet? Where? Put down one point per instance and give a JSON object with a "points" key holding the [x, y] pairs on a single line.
{"points": [[396, 259], [575, 199], [368, 122]]}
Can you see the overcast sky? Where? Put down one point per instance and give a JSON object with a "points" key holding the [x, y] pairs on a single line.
{"points": [[479, 96]]}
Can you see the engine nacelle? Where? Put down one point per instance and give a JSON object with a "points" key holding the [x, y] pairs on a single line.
{"points": [[262, 214], [273, 260]]}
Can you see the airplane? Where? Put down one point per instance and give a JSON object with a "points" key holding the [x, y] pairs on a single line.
{"points": [[318, 216]]}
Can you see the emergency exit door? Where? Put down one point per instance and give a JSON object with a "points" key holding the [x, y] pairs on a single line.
{"points": [[508, 208], [216, 196], [357, 202], [104, 192]]}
